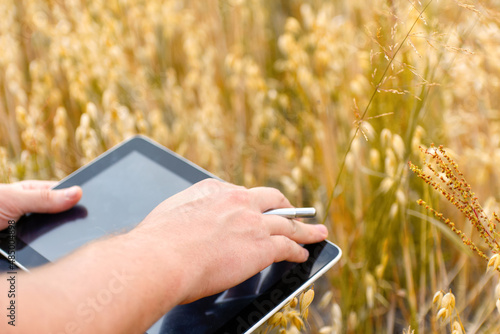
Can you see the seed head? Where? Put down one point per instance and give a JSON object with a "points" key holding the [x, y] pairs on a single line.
{"points": [[448, 301], [305, 300], [456, 328], [443, 313], [438, 297], [493, 263], [294, 302]]}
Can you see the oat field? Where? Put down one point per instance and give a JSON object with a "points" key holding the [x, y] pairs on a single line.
{"points": [[326, 100]]}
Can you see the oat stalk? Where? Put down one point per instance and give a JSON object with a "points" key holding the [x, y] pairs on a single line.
{"points": [[443, 174]]}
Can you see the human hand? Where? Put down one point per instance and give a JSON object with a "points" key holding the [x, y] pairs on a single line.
{"points": [[217, 236], [17, 199]]}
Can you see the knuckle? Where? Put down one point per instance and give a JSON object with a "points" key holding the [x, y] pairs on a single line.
{"points": [[210, 183], [208, 186], [286, 249], [246, 217], [45, 195], [253, 222], [275, 247], [291, 246], [238, 196], [285, 245], [280, 196], [254, 217], [276, 193], [293, 227]]}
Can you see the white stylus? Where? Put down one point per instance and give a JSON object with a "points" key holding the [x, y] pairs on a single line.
{"points": [[293, 212]]}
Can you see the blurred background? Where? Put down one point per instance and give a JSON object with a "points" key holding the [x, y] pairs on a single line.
{"points": [[325, 100]]}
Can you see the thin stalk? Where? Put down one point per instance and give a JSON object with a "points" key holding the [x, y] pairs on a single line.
{"points": [[375, 91]]}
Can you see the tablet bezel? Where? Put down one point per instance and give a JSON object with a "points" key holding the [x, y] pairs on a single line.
{"points": [[172, 161], [287, 286]]}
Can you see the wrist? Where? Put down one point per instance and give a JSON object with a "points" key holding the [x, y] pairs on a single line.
{"points": [[117, 280], [160, 266]]}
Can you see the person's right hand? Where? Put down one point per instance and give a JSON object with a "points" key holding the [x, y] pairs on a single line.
{"points": [[217, 235]]}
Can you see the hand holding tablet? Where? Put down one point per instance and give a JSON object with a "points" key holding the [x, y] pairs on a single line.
{"points": [[219, 233], [23, 197], [164, 238]]}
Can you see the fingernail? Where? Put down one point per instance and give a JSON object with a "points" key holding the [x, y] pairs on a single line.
{"points": [[71, 193], [306, 254], [322, 229]]}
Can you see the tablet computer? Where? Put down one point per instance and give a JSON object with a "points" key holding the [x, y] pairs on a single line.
{"points": [[119, 189]]}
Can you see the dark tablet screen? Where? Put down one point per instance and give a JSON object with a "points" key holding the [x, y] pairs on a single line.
{"points": [[119, 189], [236, 310], [113, 201]]}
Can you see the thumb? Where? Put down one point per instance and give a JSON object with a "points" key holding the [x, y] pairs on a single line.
{"points": [[47, 200]]}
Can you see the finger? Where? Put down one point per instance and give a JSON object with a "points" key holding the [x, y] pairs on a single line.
{"points": [[288, 250], [295, 230], [269, 198], [46, 200], [36, 184]]}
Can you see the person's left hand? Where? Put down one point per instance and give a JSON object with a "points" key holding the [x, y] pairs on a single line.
{"points": [[17, 199]]}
